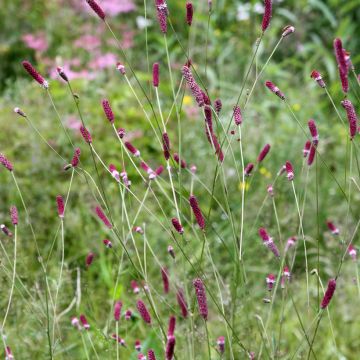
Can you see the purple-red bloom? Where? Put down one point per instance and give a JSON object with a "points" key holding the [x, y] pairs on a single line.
{"points": [[151, 355], [197, 212], [201, 297], [263, 152], [60, 205], [270, 281], [189, 13], [170, 348], [289, 171], [267, 15], [306, 149], [101, 215], [132, 149], [14, 215], [237, 115], [180, 161], [34, 74], [143, 311], [248, 169], [313, 131], [117, 310], [177, 225], [162, 14], [334, 230], [311, 154], [6, 163], [97, 9], [329, 293], [171, 328], [108, 111], [194, 87], [89, 259], [107, 243], [352, 117], [76, 157], [166, 145], [217, 106], [268, 242], [180, 296], [318, 78], [84, 322], [273, 88], [221, 344], [165, 279], [155, 73], [85, 134]]}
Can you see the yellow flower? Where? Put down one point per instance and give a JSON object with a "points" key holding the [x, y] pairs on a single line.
{"points": [[243, 185], [266, 173], [296, 107], [187, 100]]}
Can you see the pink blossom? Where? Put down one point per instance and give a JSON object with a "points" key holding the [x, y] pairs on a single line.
{"points": [[36, 41]]}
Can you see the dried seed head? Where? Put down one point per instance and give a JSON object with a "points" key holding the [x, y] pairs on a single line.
{"points": [[19, 112], [132, 149], [85, 134], [248, 169], [334, 230], [270, 281], [180, 296], [170, 250], [143, 311], [328, 293], [117, 310], [201, 297], [306, 149], [101, 215], [197, 212], [165, 279], [267, 15], [166, 145], [171, 328], [311, 155], [60, 205], [162, 14], [287, 30], [271, 86], [135, 287], [96, 8], [14, 215], [268, 242], [151, 355], [237, 115], [34, 74], [177, 225], [318, 78], [189, 13], [62, 74], [76, 158], [6, 163], [89, 259], [352, 252], [217, 106], [263, 153], [194, 87], [170, 348], [107, 110], [352, 117], [107, 243], [84, 322], [221, 344], [155, 73], [289, 170], [121, 68], [313, 131]]}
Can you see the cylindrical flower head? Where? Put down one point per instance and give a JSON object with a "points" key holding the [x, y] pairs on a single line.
{"points": [[159, 170], [6, 230], [263, 152], [108, 111], [151, 355], [352, 252], [197, 212], [89, 259], [171, 328], [137, 345], [107, 243], [84, 322], [19, 112], [155, 72], [311, 154], [128, 314], [181, 162], [340, 56], [189, 13], [117, 310], [170, 348], [132, 149], [208, 118], [166, 145], [352, 117], [6, 163], [248, 169], [287, 30], [318, 78], [328, 293], [76, 157], [270, 281], [268, 242], [201, 297], [334, 230], [273, 88], [344, 81], [14, 215], [313, 131], [96, 8], [34, 74], [237, 115], [85, 134], [9, 354], [180, 296], [121, 132], [101, 215], [162, 14], [165, 279], [306, 149], [221, 344], [177, 225], [143, 311], [217, 106], [267, 15], [194, 87], [289, 171], [60, 205], [62, 74]]}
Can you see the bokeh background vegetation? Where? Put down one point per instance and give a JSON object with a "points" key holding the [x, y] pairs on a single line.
{"points": [[66, 33]]}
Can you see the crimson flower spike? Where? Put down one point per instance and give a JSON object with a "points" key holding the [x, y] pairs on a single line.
{"points": [[85, 134], [248, 169], [267, 15], [84, 322], [166, 145], [306, 149], [180, 297], [89, 259], [165, 279], [189, 13], [177, 225], [132, 148], [107, 110], [6, 163], [178, 160], [334, 230], [197, 212], [76, 158], [329, 293], [101, 215], [60, 206], [237, 115], [352, 117], [273, 88], [137, 345], [96, 8], [162, 14], [263, 153], [62, 74], [194, 87], [34, 74], [171, 328], [289, 170], [143, 311], [117, 310], [313, 131], [155, 72], [318, 78], [217, 106], [201, 297], [14, 215], [151, 354], [312, 154], [170, 348], [268, 242], [107, 243], [340, 55]]}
